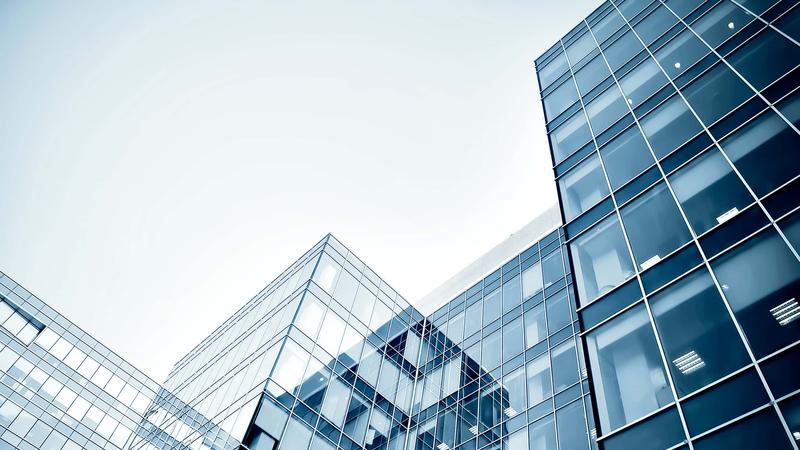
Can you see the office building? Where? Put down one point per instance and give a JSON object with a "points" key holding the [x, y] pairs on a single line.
{"points": [[673, 129]]}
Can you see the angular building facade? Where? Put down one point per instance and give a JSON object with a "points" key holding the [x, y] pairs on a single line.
{"points": [[673, 128]]}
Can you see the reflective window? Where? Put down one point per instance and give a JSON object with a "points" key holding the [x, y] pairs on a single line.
{"points": [[681, 53], [565, 365], [655, 24], [608, 25], [601, 260], [628, 377], [631, 8], [591, 74], [355, 424], [716, 93], [764, 151], [683, 7], [552, 70], [539, 384], [492, 350], [571, 427], [642, 82], [709, 191], [654, 226], [492, 307], [560, 99], [606, 109], [558, 311], [762, 430], [517, 397], [756, 60], [289, 368], [553, 267], [761, 280], [582, 187], [570, 136], [722, 22], [542, 434], [669, 126], [580, 48], [535, 326], [757, 6], [513, 340], [511, 295], [697, 333], [626, 156], [473, 322], [622, 50]]}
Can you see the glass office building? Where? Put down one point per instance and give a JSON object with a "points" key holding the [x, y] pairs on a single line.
{"points": [[673, 128]]}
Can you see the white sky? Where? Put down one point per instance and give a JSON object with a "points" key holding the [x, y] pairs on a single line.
{"points": [[163, 161]]}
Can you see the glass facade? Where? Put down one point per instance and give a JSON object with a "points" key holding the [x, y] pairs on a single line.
{"points": [[673, 130]]}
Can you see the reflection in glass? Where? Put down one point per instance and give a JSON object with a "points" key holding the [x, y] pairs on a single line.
{"points": [[513, 339], [681, 53], [591, 74], [642, 82], [756, 59], [622, 50], [552, 267], [716, 93], [601, 260], [709, 191], [570, 136], [625, 157], [571, 426], [605, 109], [582, 187], [552, 70], [539, 384], [558, 311], [535, 326], [542, 434], [514, 384], [532, 280], [669, 126], [560, 99], [628, 377], [654, 226], [761, 280], [577, 50], [722, 22], [699, 338], [656, 23]]}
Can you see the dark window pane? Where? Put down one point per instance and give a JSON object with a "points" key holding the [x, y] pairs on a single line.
{"points": [[558, 311], [628, 377], [761, 279], [680, 53], [791, 228], [565, 365], [716, 93], [654, 226], [580, 48], [622, 50], [630, 8], [608, 25], [642, 82], [757, 6], [591, 74], [765, 152], [722, 22], [601, 260], [709, 191], [661, 431], [625, 157], [554, 69], [571, 427], [699, 338], [724, 402], [669, 126], [790, 24], [760, 431], [569, 136], [606, 109], [683, 7], [791, 412], [560, 99], [655, 24], [758, 60], [582, 187]]}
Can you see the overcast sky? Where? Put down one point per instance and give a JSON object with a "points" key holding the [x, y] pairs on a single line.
{"points": [[163, 161]]}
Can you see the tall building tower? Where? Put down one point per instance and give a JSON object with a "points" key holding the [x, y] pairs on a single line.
{"points": [[673, 128]]}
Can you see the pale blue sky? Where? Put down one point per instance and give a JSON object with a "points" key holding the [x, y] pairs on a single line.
{"points": [[163, 161]]}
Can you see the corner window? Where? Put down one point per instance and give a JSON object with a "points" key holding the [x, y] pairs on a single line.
{"points": [[552, 70], [582, 187], [560, 99], [601, 260]]}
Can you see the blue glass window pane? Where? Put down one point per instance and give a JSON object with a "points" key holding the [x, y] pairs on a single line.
{"points": [[681, 53], [570, 136], [716, 93], [761, 280], [552, 70], [560, 99], [697, 333], [492, 350], [582, 187], [721, 22], [512, 297], [552, 267], [558, 311], [580, 48], [630, 8], [571, 427], [642, 82], [492, 306], [565, 365], [763, 430], [622, 50], [724, 402], [513, 339], [669, 126], [683, 7], [709, 191], [655, 24], [605, 109], [601, 260], [654, 226], [542, 434], [591, 74], [757, 60], [535, 326], [296, 437], [626, 156]]}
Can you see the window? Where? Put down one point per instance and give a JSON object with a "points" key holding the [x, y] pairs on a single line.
{"points": [[552, 267], [542, 434], [655, 24], [330, 336], [355, 423], [622, 50], [722, 22], [552, 70], [310, 317], [591, 74], [628, 377], [492, 350], [288, 371], [492, 307], [716, 93], [539, 384], [601, 260], [364, 302], [16, 322], [654, 226], [699, 339], [571, 424], [582, 187], [558, 311], [514, 384], [532, 280], [642, 82], [683, 7], [681, 53], [608, 25], [630, 8], [560, 99], [473, 322], [709, 191], [511, 294], [513, 340], [761, 280], [762, 430], [580, 48], [569, 136], [565, 365], [669, 126], [625, 157], [605, 109], [326, 273], [756, 60], [535, 326]]}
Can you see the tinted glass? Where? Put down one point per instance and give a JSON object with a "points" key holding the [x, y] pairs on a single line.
{"points": [[722, 22], [558, 311], [642, 82], [535, 325], [763, 430], [565, 365], [756, 60], [532, 280], [716, 93], [582, 187], [571, 424], [622, 50], [654, 226], [628, 377], [656, 23], [513, 340], [539, 384], [669, 126], [699, 338], [591, 74], [608, 25], [709, 191], [553, 267], [542, 434], [601, 260], [560, 99], [606, 109], [580, 48], [570, 136], [681, 53], [761, 280], [626, 156], [552, 70]]}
